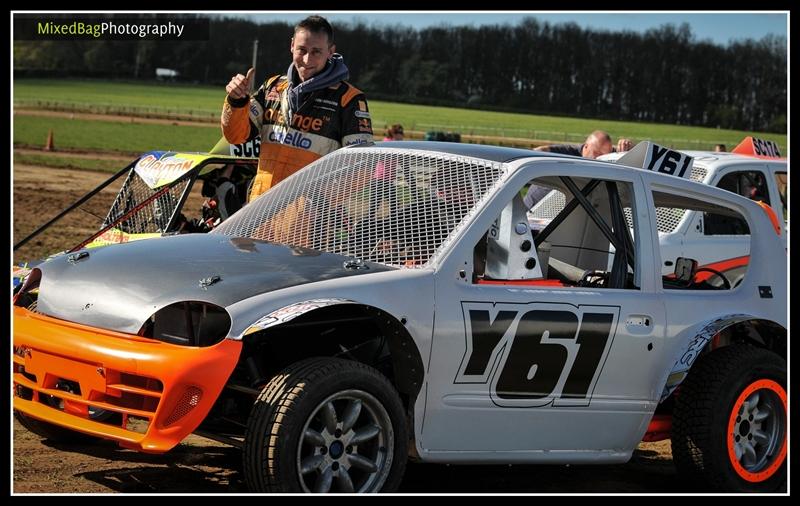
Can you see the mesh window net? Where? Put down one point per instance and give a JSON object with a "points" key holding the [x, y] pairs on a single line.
{"points": [[147, 210], [395, 207], [127, 206]]}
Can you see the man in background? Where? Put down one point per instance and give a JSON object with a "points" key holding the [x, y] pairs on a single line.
{"points": [[597, 144], [394, 133]]}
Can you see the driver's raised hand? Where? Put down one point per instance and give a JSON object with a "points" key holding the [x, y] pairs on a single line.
{"points": [[239, 87], [624, 145]]}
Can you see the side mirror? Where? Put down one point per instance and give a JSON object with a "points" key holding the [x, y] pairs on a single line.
{"points": [[685, 269]]}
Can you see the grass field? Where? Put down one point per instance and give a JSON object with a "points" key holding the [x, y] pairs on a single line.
{"points": [[132, 138], [63, 162], [168, 97], [204, 102]]}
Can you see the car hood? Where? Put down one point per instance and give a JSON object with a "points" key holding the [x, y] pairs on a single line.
{"points": [[118, 287]]}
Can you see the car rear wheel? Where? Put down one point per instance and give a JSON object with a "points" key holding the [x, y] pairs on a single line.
{"points": [[729, 424], [326, 425]]}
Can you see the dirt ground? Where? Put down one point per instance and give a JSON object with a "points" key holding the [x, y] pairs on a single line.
{"points": [[41, 193], [199, 465]]}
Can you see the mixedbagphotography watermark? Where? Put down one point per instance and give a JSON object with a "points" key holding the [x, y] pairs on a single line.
{"points": [[104, 28], [109, 28]]}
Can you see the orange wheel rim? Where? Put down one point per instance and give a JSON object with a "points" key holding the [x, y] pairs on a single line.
{"points": [[756, 436]]}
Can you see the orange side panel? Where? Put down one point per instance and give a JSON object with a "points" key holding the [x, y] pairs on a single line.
{"points": [[722, 266], [172, 387], [773, 218]]}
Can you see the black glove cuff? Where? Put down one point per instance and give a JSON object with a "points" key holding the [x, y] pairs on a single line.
{"points": [[238, 102]]}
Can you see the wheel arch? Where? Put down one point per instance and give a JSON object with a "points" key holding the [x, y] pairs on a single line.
{"points": [[756, 331], [337, 328], [721, 332]]}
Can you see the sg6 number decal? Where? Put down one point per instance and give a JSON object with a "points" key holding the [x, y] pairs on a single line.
{"points": [[538, 354], [249, 149]]}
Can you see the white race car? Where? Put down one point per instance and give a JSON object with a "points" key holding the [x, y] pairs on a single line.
{"points": [[754, 169], [391, 302]]}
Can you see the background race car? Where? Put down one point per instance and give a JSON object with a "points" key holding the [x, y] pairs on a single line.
{"points": [[754, 169], [154, 195]]}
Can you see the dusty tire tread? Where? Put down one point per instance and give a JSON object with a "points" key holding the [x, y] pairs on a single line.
{"points": [[278, 400], [699, 396]]}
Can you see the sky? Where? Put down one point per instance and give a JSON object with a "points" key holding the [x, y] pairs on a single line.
{"points": [[718, 27]]}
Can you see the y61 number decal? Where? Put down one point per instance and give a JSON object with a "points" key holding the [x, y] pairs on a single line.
{"points": [[537, 354]]}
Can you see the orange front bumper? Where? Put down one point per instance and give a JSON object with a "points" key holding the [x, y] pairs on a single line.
{"points": [[66, 373]]}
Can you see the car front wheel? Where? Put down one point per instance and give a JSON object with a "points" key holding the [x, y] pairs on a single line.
{"points": [[326, 425]]}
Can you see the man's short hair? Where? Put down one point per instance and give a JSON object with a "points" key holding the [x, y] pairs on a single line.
{"points": [[601, 135], [316, 24]]}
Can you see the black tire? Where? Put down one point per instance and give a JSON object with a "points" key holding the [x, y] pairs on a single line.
{"points": [[52, 432], [713, 444], [288, 429]]}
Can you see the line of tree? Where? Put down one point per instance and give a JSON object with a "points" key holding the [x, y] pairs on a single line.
{"points": [[663, 75]]}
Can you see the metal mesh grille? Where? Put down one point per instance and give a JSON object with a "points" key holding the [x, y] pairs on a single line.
{"points": [[698, 174], [549, 206], [628, 216], [388, 206], [188, 401], [667, 219], [152, 217]]}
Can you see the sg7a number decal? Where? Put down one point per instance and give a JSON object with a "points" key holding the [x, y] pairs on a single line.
{"points": [[537, 354]]}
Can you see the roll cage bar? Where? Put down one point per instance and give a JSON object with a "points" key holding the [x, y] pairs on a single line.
{"points": [[619, 235]]}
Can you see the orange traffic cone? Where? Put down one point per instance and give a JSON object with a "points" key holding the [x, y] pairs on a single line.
{"points": [[49, 145]]}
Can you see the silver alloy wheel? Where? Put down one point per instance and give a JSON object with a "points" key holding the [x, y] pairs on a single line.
{"points": [[347, 445], [759, 430]]}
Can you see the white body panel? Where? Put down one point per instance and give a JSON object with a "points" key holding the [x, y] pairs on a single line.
{"points": [[605, 424], [461, 417]]}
